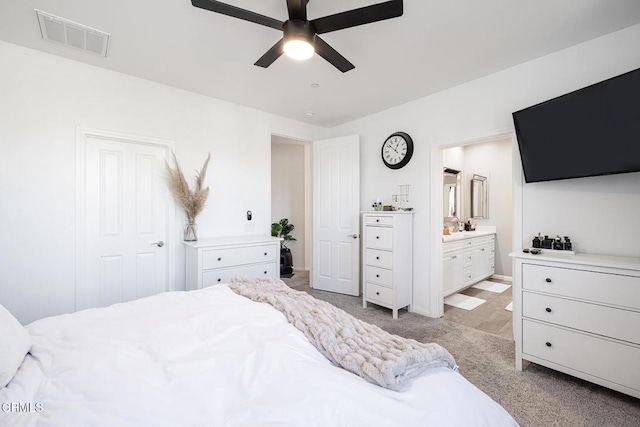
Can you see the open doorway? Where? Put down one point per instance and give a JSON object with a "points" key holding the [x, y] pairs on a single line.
{"points": [[476, 267], [291, 201]]}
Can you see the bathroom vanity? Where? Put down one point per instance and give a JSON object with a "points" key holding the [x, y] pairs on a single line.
{"points": [[468, 258]]}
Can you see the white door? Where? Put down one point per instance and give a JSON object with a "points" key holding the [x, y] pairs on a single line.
{"points": [[124, 218], [336, 215]]}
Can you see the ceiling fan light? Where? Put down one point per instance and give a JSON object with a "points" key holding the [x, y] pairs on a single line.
{"points": [[298, 49]]}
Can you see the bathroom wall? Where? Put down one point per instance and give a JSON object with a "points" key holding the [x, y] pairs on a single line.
{"points": [[493, 160]]}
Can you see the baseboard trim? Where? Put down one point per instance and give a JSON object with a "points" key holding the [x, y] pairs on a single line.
{"points": [[501, 277]]}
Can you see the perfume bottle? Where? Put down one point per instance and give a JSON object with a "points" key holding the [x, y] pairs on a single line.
{"points": [[567, 244], [557, 244], [537, 242]]}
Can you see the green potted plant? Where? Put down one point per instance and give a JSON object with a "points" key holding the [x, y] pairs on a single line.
{"points": [[283, 229]]}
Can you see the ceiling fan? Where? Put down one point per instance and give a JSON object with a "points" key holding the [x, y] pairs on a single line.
{"points": [[300, 40]]}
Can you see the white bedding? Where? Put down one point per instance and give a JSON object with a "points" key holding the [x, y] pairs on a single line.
{"points": [[214, 358]]}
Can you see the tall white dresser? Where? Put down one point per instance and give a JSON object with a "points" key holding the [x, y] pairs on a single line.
{"points": [[215, 260], [580, 314], [387, 259]]}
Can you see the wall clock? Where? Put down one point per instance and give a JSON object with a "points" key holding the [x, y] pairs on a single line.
{"points": [[397, 150]]}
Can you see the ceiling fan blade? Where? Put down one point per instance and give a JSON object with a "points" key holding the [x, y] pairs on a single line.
{"points": [[297, 9], [271, 55], [236, 12], [360, 16], [332, 56]]}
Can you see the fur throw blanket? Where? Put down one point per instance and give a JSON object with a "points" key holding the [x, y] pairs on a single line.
{"points": [[366, 350]]}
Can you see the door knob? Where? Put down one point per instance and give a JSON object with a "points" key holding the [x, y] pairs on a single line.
{"points": [[159, 243], [355, 236]]}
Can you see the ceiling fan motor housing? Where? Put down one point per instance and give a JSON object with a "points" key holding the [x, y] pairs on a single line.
{"points": [[297, 29]]}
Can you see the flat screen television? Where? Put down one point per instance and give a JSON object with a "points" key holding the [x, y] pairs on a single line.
{"points": [[592, 131]]}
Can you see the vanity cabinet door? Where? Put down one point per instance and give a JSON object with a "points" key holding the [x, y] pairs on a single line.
{"points": [[453, 272]]}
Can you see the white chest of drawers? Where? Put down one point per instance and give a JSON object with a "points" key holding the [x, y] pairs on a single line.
{"points": [[580, 314], [387, 259], [216, 260]]}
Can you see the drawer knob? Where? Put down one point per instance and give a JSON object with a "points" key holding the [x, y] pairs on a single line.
{"points": [[265, 254], [548, 280], [548, 310], [548, 344], [455, 256], [219, 280], [265, 272], [377, 220], [219, 259], [377, 237], [377, 293], [482, 249], [377, 275], [377, 257]]}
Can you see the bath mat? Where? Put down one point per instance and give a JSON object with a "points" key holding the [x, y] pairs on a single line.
{"points": [[491, 286], [463, 301]]}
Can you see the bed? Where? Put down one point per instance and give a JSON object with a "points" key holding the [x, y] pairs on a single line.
{"points": [[213, 358]]}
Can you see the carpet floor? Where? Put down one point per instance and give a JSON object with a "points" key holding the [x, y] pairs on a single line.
{"points": [[535, 397]]}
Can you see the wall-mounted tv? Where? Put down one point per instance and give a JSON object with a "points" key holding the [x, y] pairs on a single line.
{"points": [[592, 131]]}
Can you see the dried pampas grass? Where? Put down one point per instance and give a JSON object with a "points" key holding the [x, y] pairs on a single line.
{"points": [[192, 201]]}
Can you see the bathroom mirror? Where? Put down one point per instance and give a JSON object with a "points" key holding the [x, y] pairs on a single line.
{"points": [[479, 197], [451, 194]]}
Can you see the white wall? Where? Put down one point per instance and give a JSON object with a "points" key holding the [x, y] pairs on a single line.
{"points": [[453, 158], [44, 99], [483, 108], [288, 194], [493, 160]]}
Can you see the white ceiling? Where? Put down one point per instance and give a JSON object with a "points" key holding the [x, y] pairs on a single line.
{"points": [[436, 44]]}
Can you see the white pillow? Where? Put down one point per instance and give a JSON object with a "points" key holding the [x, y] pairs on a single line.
{"points": [[15, 343]]}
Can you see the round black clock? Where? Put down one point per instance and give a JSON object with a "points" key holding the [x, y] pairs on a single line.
{"points": [[397, 150]]}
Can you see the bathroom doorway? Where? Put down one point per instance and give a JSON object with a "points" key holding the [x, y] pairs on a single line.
{"points": [[476, 267]]}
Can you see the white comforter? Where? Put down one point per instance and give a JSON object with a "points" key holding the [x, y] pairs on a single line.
{"points": [[214, 358]]}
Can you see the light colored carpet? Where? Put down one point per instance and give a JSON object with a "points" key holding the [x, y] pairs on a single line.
{"points": [[535, 397]]}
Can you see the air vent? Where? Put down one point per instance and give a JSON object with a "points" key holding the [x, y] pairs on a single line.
{"points": [[72, 34]]}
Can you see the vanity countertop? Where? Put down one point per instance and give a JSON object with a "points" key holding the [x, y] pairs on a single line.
{"points": [[461, 235]]}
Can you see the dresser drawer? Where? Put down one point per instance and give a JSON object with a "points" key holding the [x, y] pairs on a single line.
{"points": [[598, 319], [379, 237], [378, 220], [602, 358], [224, 275], [378, 258], [623, 291], [227, 257], [379, 294], [378, 275]]}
